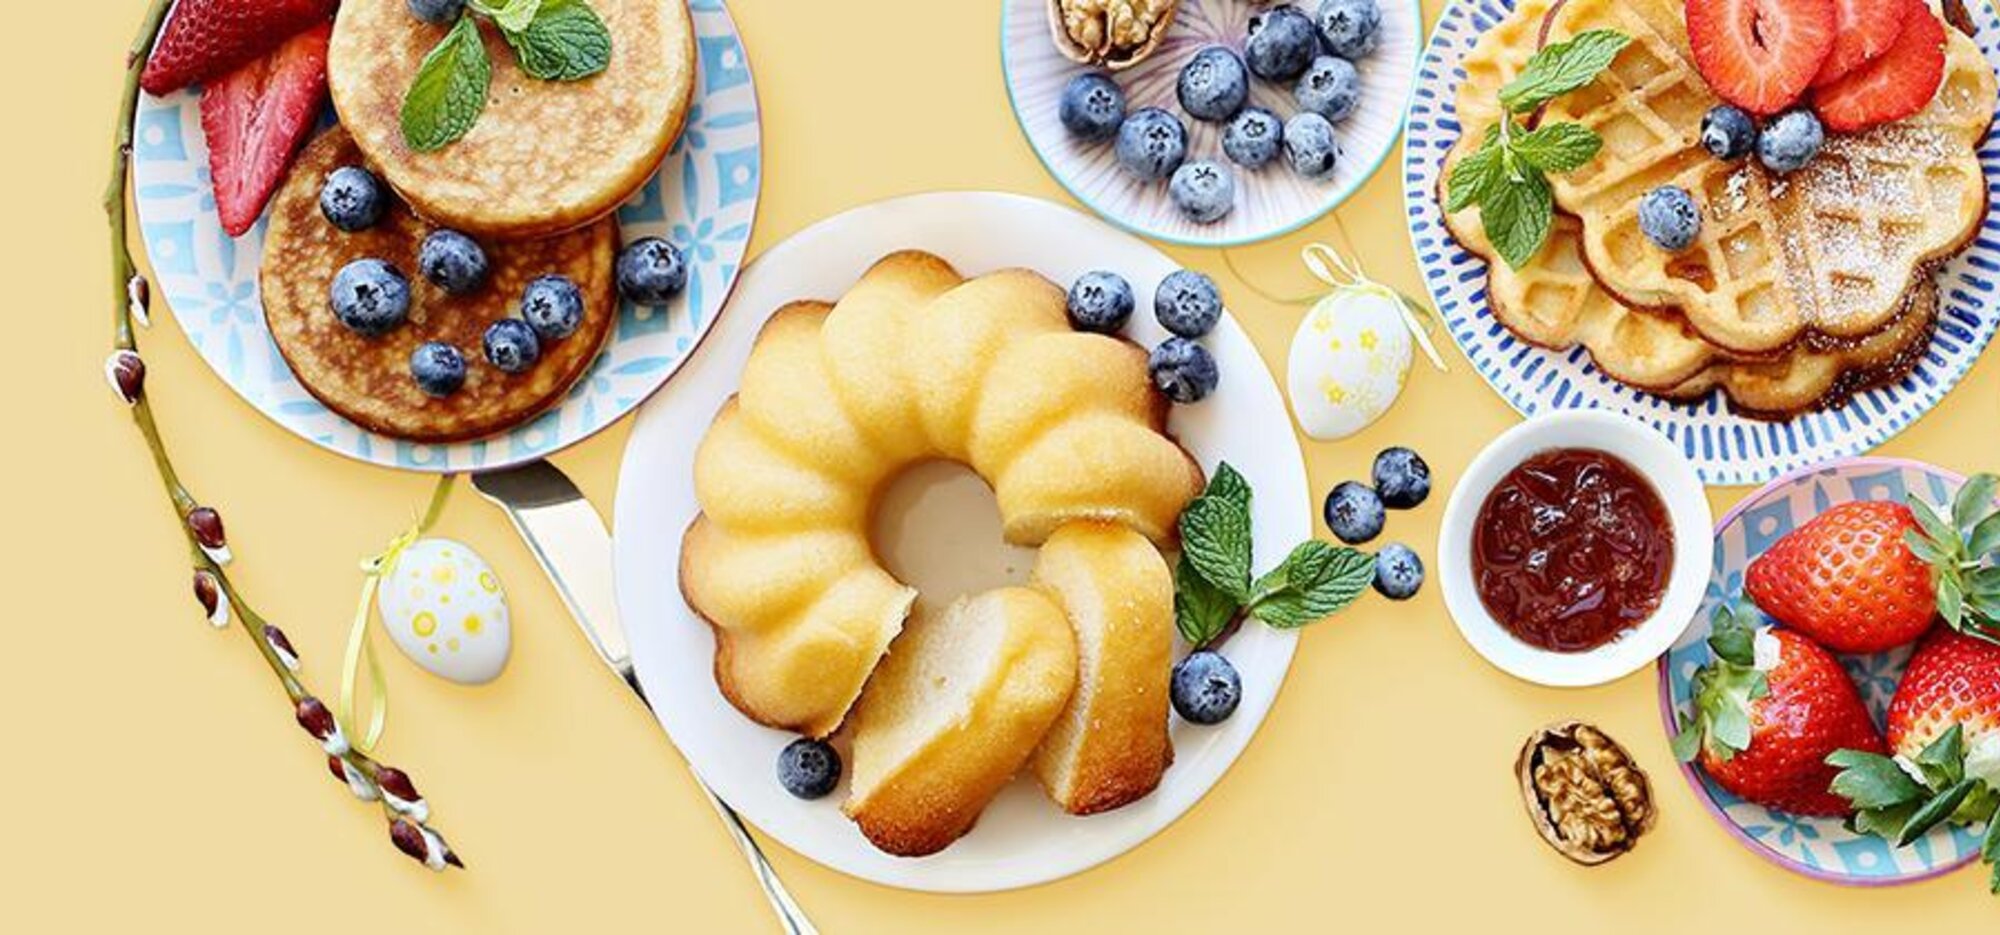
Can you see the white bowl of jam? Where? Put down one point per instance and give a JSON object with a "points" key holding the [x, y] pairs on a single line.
{"points": [[1575, 548]]}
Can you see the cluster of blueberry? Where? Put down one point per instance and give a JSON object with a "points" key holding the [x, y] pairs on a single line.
{"points": [[1668, 215], [1284, 45], [1356, 513], [372, 297], [1185, 303]]}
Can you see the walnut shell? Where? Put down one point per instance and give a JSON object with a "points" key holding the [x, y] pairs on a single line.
{"points": [[1585, 794], [1113, 34]]}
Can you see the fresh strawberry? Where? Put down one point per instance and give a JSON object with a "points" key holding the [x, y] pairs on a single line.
{"points": [[1862, 31], [208, 38], [1892, 87], [255, 118], [1865, 577], [1760, 54], [1944, 726], [1768, 711]]}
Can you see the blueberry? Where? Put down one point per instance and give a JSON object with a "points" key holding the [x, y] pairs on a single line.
{"points": [[809, 768], [1203, 191], [1669, 218], [1399, 573], [1790, 141], [1187, 303], [452, 261], [1283, 41], [370, 297], [438, 367], [1330, 88], [1309, 145], [553, 306], [1213, 84], [353, 199], [1151, 143], [1100, 302], [511, 345], [1350, 28], [1092, 107], [1402, 478], [1205, 688], [1354, 512], [440, 12], [1253, 138], [651, 271], [1183, 370], [1728, 133]]}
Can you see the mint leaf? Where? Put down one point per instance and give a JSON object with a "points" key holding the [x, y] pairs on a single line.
{"points": [[1474, 179], [1561, 68], [1229, 485], [1872, 781], [449, 91], [1558, 147], [1215, 539], [1316, 581], [513, 15], [1201, 610], [565, 41], [1518, 217]]}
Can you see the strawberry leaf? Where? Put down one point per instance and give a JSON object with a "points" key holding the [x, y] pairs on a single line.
{"points": [[1975, 501], [1943, 761], [1941, 533], [1935, 811], [1924, 549], [1872, 781], [1985, 540], [1990, 850], [1687, 743], [1951, 600], [1885, 823], [1731, 638]]}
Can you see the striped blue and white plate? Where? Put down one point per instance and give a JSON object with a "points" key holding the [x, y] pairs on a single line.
{"points": [[1726, 448], [704, 198]]}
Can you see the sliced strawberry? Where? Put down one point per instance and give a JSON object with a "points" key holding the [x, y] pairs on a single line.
{"points": [[1760, 54], [255, 118], [208, 38], [1863, 31], [1892, 87]]}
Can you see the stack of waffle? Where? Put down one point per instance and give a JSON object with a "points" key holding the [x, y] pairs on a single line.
{"points": [[1800, 291]]}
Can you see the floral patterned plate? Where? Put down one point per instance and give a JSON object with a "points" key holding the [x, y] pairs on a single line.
{"points": [[1270, 201], [704, 198], [1821, 848]]}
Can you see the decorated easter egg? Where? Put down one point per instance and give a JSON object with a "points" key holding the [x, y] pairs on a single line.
{"points": [[1349, 361], [444, 608]]}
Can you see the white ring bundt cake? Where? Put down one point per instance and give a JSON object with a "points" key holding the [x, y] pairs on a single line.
{"points": [[916, 364]]}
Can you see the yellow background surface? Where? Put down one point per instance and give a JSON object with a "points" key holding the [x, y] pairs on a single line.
{"points": [[153, 778]]}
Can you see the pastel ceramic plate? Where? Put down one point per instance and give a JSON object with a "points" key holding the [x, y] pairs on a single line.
{"points": [[1269, 201], [704, 198], [1726, 448], [939, 529], [1821, 848]]}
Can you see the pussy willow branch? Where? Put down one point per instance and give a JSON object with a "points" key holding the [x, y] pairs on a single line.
{"points": [[368, 778]]}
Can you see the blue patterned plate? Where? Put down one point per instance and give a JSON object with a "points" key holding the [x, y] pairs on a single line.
{"points": [[1726, 448], [1270, 201], [704, 198], [1821, 848]]}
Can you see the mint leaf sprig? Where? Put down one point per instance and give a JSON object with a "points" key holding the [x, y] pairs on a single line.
{"points": [[1213, 583], [552, 40], [1507, 178]]}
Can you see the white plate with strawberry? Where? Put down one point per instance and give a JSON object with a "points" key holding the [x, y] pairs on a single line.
{"points": [[1829, 626]]}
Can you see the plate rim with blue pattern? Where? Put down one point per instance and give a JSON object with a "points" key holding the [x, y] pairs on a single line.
{"points": [[1727, 449], [1819, 848], [705, 197]]}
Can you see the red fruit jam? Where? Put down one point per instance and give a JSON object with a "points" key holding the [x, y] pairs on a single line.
{"points": [[1572, 549]]}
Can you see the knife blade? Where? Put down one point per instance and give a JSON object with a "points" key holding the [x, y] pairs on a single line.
{"points": [[569, 540]]}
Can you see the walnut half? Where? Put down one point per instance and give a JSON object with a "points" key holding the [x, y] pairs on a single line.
{"points": [[1587, 797], [1115, 34]]}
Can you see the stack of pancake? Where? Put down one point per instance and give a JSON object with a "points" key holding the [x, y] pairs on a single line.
{"points": [[535, 182], [1801, 289]]}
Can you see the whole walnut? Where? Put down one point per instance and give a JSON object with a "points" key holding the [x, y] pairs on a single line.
{"points": [[1114, 34], [1587, 797]]}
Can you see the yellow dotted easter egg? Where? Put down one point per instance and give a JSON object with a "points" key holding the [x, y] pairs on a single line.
{"points": [[1349, 361], [444, 608]]}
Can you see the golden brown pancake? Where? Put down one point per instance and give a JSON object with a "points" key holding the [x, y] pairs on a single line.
{"points": [[545, 156], [368, 380]]}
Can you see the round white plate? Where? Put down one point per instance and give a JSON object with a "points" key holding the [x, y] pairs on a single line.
{"points": [[703, 198], [1022, 839], [1728, 449], [1270, 201]]}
